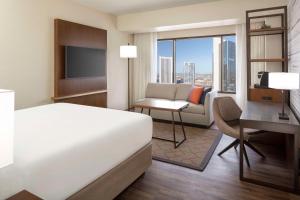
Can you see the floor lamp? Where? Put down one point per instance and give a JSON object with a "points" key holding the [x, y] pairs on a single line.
{"points": [[128, 51]]}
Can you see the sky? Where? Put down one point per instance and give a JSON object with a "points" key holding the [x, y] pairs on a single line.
{"points": [[196, 50]]}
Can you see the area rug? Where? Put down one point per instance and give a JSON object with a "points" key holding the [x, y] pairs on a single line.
{"points": [[194, 153]]}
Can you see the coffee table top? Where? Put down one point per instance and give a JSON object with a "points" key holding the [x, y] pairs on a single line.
{"points": [[161, 104]]}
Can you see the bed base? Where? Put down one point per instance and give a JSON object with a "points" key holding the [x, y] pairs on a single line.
{"points": [[112, 183]]}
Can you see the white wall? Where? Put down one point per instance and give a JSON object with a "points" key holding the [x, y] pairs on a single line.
{"points": [[294, 49], [203, 12], [27, 55]]}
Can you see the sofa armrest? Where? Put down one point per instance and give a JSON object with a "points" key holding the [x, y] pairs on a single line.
{"points": [[208, 106]]}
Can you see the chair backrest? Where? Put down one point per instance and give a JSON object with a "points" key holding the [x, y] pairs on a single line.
{"points": [[226, 110]]}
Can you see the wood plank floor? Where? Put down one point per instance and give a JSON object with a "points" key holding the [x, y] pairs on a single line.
{"points": [[219, 181]]}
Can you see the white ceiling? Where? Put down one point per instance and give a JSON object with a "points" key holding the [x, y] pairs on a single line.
{"points": [[118, 7]]}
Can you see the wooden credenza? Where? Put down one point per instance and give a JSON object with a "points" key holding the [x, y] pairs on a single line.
{"points": [[265, 95], [97, 99]]}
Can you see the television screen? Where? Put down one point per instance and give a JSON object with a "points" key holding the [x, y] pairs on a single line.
{"points": [[84, 62]]}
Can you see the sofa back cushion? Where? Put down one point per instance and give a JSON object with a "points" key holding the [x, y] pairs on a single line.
{"points": [[161, 91], [183, 91]]}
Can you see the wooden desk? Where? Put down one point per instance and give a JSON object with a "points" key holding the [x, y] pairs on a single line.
{"points": [[264, 116], [165, 105]]}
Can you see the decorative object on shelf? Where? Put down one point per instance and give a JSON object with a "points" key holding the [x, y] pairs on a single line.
{"points": [[265, 26], [128, 51], [284, 81], [264, 80], [6, 127]]}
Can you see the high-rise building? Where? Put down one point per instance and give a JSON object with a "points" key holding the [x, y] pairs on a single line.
{"points": [[189, 73], [165, 69], [229, 66]]}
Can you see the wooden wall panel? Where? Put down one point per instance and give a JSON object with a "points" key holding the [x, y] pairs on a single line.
{"points": [[294, 49], [73, 34]]}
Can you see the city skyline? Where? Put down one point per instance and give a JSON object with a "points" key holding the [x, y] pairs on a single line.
{"points": [[195, 50], [165, 70], [229, 66], [189, 73]]}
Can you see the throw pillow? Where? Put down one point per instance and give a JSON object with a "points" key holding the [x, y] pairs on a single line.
{"points": [[195, 94], [206, 90]]}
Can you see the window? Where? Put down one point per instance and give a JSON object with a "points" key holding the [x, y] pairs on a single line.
{"points": [[198, 61]]}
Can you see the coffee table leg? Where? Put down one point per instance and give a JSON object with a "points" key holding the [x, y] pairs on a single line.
{"points": [[149, 112], [174, 131], [182, 126], [174, 141], [142, 110]]}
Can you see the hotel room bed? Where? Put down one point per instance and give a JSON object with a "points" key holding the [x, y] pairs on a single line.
{"points": [[79, 152]]}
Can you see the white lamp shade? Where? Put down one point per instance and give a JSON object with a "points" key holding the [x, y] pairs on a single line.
{"points": [[128, 51], [6, 127], [284, 81]]}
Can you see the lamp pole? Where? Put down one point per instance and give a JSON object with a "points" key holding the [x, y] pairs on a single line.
{"points": [[128, 51], [283, 101]]}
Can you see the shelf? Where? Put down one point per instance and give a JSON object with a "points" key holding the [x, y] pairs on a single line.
{"points": [[265, 16], [268, 60], [267, 31]]}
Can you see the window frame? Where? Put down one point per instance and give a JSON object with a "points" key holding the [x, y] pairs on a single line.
{"points": [[221, 36]]}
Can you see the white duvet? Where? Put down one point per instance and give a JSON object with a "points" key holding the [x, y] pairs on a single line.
{"points": [[60, 148]]}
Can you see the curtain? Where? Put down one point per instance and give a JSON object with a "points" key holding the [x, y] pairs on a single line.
{"points": [[241, 63], [144, 68]]}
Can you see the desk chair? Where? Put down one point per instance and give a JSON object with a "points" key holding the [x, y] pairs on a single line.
{"points": [[227, 114]]}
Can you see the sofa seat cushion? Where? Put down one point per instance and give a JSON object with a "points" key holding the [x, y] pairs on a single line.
{"points": [[195, 109], [161, 91], [183, 91]]}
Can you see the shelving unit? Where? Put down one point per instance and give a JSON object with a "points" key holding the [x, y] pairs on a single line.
{"points": [[272, 30]]}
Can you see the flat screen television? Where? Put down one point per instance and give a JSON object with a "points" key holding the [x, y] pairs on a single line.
{"points": [[84, 62]]}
